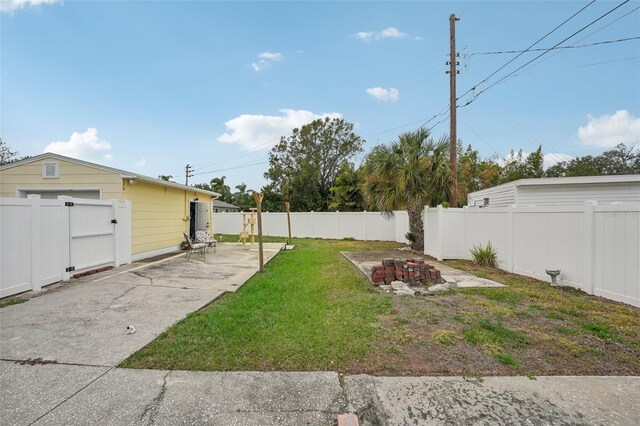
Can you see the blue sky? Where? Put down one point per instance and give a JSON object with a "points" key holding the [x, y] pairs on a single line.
{"points": [[149, 86]]}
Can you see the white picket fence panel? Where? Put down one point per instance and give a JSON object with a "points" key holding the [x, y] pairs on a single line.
{"points": [[40, 239], [364, 226], [597, 247]]}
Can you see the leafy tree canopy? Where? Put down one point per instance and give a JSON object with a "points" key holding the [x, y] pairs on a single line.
{"points": [[304, 166]]}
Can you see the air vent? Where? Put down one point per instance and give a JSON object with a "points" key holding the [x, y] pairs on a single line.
{"points": [[50, 170]]}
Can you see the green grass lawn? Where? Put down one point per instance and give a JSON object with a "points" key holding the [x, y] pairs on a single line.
{"points": [[312, 310], [309, 310]]}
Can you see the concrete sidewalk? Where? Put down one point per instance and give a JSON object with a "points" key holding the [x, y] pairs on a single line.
{"points": [[55, 394]]}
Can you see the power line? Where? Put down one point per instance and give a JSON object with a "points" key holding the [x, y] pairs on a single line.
{"points": [[542, 54], [528, 48], [231, 168], [578, 66], [587, 36], [560, 47]]}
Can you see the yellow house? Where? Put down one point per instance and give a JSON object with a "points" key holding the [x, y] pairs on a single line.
{"points": [[161, 211]]}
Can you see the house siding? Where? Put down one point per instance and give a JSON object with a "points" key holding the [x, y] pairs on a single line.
{"points": [[499, 196], [159, 215], [553, 195], [70, 176]]}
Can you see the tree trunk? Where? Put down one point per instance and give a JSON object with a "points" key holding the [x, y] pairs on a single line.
{"points": [[416, 228]]}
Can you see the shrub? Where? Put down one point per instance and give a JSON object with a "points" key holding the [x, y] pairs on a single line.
{"points": [[484, 256]]}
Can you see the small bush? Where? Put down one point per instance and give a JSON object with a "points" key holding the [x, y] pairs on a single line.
{"points": [[484, 256], [411, 237]]}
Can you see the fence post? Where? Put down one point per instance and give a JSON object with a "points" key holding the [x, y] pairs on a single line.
{"points": [[312, 231], [440, 245], [337, 225], [425, 226], [512, 237], [114, 216], [588, 246], [35, 243], [364, 222], [66, 237]]}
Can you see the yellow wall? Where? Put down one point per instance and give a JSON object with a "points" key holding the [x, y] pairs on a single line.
{"points": [[159, 215], [71, 176]]}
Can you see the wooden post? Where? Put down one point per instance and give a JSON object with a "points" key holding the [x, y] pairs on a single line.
{"points": [[286, 206], [258, 197]]}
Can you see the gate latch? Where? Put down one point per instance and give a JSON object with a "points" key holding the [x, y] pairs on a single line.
{"points": [[114, 220], [68, 204]]}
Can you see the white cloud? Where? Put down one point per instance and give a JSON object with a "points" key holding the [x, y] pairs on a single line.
{"points": [[12, 5], [254, 132], [84, 146], [387, 95], [390, 32], [608, 131], [265, 59], [271, 56], [141, 163]]}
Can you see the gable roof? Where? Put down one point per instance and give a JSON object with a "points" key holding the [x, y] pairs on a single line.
{"points": [[224, 205], [123, 173]]}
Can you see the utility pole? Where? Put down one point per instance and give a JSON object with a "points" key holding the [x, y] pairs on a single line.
{"points": [[453, 72], [187, 173]]}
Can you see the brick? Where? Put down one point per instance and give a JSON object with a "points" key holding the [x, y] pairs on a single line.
{"points": [[348, 420]]}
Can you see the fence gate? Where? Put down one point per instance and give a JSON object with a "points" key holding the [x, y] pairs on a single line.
{"points": [[91, 234]]}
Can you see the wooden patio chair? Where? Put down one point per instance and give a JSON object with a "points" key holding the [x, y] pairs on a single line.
{"points": [[199, 247], [204, 237]]}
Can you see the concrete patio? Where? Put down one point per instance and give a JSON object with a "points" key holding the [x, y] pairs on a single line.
{"points": [[84, 321]]}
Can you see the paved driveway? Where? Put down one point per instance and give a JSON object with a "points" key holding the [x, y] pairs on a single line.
{"points": [[85, 321]]}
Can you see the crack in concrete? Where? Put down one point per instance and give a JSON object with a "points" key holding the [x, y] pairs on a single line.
{"points": [[152, 408], [141, 275], [72, 395], [40, 361], [115, 299]]}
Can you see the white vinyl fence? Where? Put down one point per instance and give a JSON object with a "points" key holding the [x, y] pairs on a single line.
{"points": [[45, 241], [596, 247], [365, 226]]}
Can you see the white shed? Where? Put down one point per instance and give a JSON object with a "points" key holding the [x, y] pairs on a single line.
{"points": [[561, 191]]}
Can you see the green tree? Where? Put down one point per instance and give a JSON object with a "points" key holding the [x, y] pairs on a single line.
{"points": [[6, 155], [621, 160], [519, 166], [218, 185], [243, 198], [272, 200], [166, 178], [408, 174], [303, 166], [346, 194]]}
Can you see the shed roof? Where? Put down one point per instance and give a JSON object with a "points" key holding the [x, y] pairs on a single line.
{"points": [[224, 205], [123, 173], [574, 180]]}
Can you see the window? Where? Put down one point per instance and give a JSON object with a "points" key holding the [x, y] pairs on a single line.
{"points": [[50, 170]]}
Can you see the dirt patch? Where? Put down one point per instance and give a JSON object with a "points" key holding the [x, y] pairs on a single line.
{"points": [[526, 328]]}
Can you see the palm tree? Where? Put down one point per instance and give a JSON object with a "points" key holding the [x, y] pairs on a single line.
{"points": [[165, 177], [410, 173], [218, 185]]}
